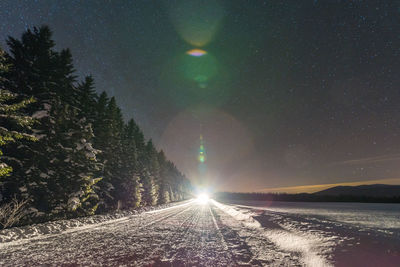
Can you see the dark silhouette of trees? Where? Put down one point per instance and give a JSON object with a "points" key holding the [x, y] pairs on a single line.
{"points": [[304, 197], [85, 159]]}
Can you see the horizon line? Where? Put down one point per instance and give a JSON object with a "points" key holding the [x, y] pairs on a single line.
{"points": [[320, 187]]}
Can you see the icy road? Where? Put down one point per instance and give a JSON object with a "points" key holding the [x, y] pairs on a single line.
{"points": [[185, 234]]}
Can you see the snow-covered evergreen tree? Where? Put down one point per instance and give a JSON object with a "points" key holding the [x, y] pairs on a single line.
{"points": [[60, 166], [87, 98], [108, 129], [73, 177], [150, 174], [163, 180], [129, 189], [84, 156], [11, 119]]}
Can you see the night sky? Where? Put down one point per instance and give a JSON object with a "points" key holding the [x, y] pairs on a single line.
{"points": [[285, 94]]}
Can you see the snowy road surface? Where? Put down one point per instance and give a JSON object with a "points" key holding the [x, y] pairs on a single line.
{"points": [[186, 234]]}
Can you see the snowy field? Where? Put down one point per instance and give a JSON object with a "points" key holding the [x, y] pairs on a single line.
{"points": [[212, 234]]}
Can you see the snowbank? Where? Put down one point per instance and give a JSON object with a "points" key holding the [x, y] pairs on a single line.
{"points": [[309, 245], [244, 216]]}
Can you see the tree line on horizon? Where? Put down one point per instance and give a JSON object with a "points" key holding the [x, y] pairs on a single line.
{"points": [[67, 151], [303, 197]]}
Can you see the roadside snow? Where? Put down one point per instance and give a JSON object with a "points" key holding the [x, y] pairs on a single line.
{"points": [[63, 226], [241, 215], [309, 245]]}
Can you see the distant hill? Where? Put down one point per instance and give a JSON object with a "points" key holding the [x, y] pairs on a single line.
{"points": [[374, 190], [376, 193]]}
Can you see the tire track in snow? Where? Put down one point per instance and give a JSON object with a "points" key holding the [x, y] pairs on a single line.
{"points": [[173, 236], [218, 229]]}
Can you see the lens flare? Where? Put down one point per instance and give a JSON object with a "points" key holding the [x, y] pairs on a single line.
{"points": [[202, 199], [196, 21], [202, 153], [196, 52], [199, 66], [202, 158], [192, 80]]}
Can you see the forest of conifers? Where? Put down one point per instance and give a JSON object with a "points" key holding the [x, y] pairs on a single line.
{"points": [[65, 150]]}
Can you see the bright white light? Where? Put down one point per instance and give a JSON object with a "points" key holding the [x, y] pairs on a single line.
{"points": [[202, 198]]}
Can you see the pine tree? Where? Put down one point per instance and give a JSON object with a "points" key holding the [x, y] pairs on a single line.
{"points": [[74, 166], [53, 169], [150, 175], [100, 126], [149, 195], [164, 179], [129, 188], [84, 156], [11, 116], [108, 138], [87, 99]]}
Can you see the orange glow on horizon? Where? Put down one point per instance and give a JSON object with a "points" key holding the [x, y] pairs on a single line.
{"points": [[316, 188]]}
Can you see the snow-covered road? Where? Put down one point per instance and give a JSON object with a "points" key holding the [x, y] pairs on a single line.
{"points": [[194, 234], [185, 234]]}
